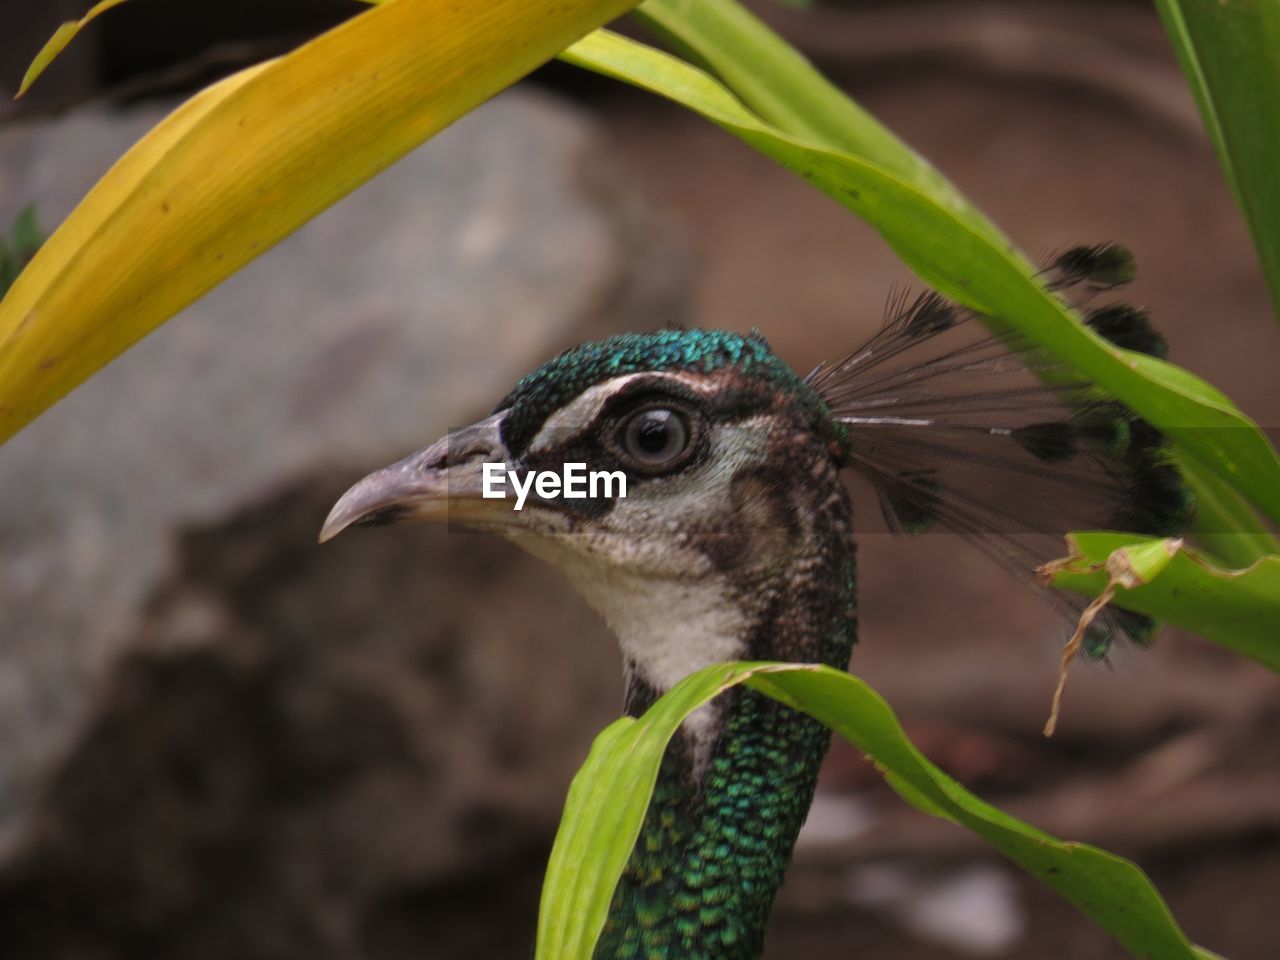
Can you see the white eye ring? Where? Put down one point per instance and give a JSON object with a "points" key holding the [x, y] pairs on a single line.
{"points": [[655, 438]]}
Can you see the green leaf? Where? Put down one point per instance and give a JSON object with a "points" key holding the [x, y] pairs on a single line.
{"points": [[609, 795], [733, 44], [1238, 609], [247, 161], [27, 235], [958, 253], [602, 816], [1225, 523], [21, 247], [1228, 53]]}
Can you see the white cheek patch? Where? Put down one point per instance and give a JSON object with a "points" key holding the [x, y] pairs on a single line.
{"points": [[668, 626], [668, 630], [673, 629], [581, 414]]}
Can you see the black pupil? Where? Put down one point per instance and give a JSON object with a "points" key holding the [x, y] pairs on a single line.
{"points": [[654, 433], [656, 437]]}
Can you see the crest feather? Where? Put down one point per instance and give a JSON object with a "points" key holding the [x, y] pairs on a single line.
{"points": [[961, 430]]}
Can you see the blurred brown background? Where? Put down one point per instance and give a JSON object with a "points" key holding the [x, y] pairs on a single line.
{"points": [[218, 741]]}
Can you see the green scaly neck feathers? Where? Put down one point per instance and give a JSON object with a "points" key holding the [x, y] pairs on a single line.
{"points": [[720, 831]]}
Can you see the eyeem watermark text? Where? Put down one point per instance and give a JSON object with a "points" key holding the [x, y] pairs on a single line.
{"points": [[575, 483]]}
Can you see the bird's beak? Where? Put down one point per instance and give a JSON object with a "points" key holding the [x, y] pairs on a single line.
{"points": [[442, 482]]}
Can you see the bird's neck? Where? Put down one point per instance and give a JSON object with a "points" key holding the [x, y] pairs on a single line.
{"points": [[737, 782]]}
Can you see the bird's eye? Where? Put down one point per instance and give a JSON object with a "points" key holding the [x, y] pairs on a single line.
{"points": [[655, 438]]}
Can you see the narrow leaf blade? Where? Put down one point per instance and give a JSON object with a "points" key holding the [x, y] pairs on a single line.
{"points": [[1238, 609], [245, 163], [606, 806], [1228, 54], [603, 815], [58, 42], [782, 87]]}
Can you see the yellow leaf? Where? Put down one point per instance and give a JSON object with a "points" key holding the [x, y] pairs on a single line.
{"points": [[247, 161], [58, 42]]}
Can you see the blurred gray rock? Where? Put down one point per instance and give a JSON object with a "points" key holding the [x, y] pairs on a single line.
{"points": [[218, 739]]}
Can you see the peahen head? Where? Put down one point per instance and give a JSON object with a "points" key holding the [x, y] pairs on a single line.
{"points": [[722, 491], [724, 532]]}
